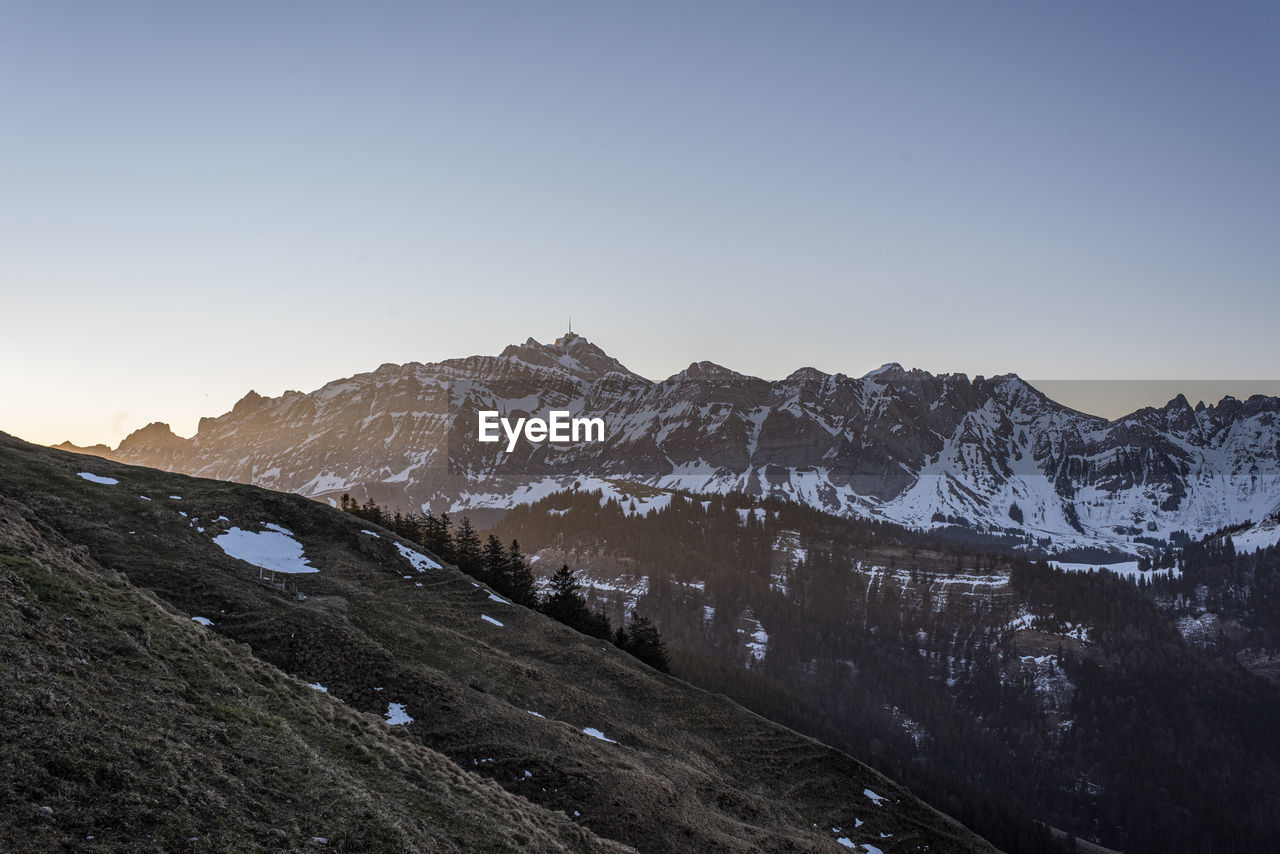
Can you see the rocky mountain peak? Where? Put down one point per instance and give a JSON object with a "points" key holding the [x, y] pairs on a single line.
{"points": [[1013, 391], [805, 375], [155, 436], [711, 371], [248, 403], [889, 370], [571, 353]]}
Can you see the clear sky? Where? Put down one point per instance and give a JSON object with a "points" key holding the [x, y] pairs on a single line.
{"points": [[200, 199]]}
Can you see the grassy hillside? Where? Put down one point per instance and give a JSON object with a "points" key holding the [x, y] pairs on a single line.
{"points": [[130, 727], [134, 723]]}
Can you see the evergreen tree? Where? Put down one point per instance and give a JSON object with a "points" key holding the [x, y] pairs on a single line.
{"points": [[598, 626], [521, 588], [443, 545], [643, 640], [467, 553], [429, 529], [494, 563], [436, 537], [565, 602]]}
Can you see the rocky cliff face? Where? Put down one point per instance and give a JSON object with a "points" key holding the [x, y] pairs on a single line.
{"points": [[992, 454]]}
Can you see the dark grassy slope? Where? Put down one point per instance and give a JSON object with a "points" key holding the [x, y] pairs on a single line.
{"points": [[127, 727], [691, 771]]}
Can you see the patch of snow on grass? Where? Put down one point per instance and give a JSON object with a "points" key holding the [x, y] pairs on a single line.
{"points": [[396, 715], [873, 796], [370, 533], [489, 619], [595, 733], [204, 621], [274, 550], [535, 714], [495, 597], [318, 687], [97, 478], [419, 561]]}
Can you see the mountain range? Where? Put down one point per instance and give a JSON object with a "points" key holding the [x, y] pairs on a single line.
{"points": [[987, 456]]}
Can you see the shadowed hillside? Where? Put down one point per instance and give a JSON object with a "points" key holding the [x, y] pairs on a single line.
{"points": [[148, 731]]}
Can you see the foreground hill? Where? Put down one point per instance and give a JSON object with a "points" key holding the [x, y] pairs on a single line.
{"points": [[982, 455], [130, 727], [376, 703]]}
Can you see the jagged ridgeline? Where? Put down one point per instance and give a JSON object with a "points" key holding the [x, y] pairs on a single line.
{"points": [[201, 665], [992, 456]]}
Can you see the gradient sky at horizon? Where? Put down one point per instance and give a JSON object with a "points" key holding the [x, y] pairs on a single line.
{"points": [[200, 199]]}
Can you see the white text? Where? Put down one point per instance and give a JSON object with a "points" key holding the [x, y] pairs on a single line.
{"points": [[559, 427]]}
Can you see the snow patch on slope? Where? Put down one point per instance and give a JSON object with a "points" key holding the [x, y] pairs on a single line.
{"points": [[274, 549], [417, 560], [1260, 536], [396, 715]]}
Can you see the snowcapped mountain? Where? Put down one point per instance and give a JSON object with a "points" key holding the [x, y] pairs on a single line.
{"points": [[990, 454]]}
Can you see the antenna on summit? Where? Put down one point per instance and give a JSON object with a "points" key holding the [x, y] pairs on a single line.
{"points": [[571, 324]]}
